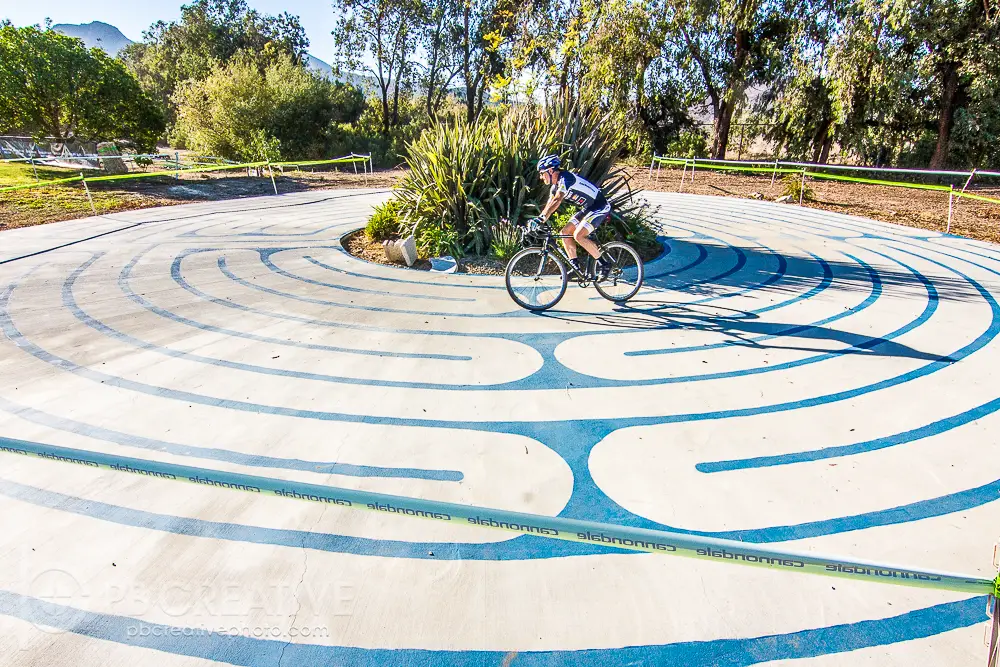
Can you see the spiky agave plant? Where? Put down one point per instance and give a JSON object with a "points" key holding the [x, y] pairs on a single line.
{"points": [[469, 178]]}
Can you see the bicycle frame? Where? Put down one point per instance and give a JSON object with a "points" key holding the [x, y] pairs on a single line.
{"points": [[556, 248]]}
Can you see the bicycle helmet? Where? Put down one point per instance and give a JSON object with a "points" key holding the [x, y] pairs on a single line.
{"points": [[549, 162]]}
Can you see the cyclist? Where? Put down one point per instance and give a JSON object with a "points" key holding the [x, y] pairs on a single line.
{"points": [[594, 210]]}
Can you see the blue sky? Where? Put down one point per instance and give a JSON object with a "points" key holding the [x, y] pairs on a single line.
{"points": [[132, 17]]}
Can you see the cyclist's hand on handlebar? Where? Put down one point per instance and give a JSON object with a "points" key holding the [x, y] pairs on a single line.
{"points": [[535, 224]]}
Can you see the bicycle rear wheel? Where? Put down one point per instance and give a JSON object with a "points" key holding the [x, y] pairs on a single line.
{"points": [[626, 275], [535, 280]]}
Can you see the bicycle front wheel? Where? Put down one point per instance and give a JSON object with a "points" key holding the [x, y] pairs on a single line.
{"points": [[535, 280], [625, 278]]}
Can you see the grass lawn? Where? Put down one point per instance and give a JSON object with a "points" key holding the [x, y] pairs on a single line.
{"points": [[20, 173], [59, 202]]}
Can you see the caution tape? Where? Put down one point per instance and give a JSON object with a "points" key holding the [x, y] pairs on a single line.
{"points": [[353, 158], [43, 184], [969, 195], [557, 528], [171, 172], [184, 170], [876, 181], [721, 165], [699, 164]]}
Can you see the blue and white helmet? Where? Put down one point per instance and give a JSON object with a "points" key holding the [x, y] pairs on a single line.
{"points": [[549, 162]]}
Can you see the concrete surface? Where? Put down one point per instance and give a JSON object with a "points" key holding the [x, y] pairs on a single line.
{"points": [[788, 377]]}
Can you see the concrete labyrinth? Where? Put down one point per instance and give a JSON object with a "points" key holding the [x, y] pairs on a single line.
{"points": [[787, 377]]}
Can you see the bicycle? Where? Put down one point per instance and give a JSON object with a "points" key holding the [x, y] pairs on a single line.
{"points": [[537, 276]]}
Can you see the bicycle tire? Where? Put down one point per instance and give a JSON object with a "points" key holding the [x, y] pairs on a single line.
{"points": [[527, 279], [627, 273]]}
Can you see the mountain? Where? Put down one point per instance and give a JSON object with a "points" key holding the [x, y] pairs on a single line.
{"points": [[96, 34], [366, 83]]}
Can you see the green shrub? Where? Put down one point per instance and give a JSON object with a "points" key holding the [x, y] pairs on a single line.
{"points": [[242, 113], [468, 178], [689, 143], [384, 223], [506, 241], [791, 186], [434, 241]]}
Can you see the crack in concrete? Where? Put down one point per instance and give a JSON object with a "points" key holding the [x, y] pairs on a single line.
{"points": [[305, 570]]}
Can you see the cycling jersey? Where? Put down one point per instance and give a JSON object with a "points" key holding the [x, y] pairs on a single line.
{"points": [[579, 191]]}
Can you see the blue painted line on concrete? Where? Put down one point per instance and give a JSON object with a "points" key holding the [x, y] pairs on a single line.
{"points": [[226, 271], [911, 517], [776, 330], [538, 380], [253, 652], [928, 430], [554, 528], [124, 284], [265, 255]]}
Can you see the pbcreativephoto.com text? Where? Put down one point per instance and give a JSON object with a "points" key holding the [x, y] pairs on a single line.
{"points": [[257, 632]]}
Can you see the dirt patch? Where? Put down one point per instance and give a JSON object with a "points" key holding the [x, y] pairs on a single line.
{"points": [[484, 266], [925, 209], [361, 246]]}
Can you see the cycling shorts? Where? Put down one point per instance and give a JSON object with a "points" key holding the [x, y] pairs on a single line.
{"points": [[593, 218]]}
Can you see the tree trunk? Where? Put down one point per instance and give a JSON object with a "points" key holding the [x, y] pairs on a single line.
{"points": [[824, 154], [723, 122], [395, 100], [949, 95], [431, 74], [640, 85], [821, 141], [734, 94], [385, 110], [467, 73]]}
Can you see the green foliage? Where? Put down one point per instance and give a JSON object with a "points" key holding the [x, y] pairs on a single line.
{"points": [[665, 119], [467, 179], [438, 241], [384, 223], [210, 33], [241, 113], [506, 241], [366, 136], [791, 185], [51, 85], [689, 143], [385, 31]]}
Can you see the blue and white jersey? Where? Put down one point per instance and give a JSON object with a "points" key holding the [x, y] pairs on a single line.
{"points": [[579, 191]]}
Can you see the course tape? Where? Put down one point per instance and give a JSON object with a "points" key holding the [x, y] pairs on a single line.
{"points": [[43, 184], [172, 172], [732, 167], [969, 195], [876, 181], [728, 166], [572, 530]]}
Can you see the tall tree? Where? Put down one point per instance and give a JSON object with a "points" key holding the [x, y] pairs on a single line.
{"points": [[733, 44], [441, 40], [628, 36], [948, 35], [797, 105], [488, 29], [385, 31]]}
